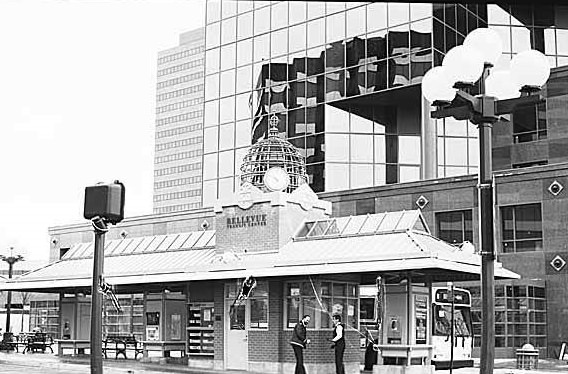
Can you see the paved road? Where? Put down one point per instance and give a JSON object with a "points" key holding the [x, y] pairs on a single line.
{"points": [[17, 363]]}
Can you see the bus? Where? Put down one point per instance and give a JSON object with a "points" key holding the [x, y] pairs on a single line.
{"points": [[441, 328], [439, 325]]}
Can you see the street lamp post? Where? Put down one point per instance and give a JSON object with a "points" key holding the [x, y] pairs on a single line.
{"points": [[11, 260], [448, 88]]}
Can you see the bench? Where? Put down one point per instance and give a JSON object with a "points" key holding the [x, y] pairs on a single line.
{"points": [[120, 343], [77, 347], [9, 342], [38, 342]]}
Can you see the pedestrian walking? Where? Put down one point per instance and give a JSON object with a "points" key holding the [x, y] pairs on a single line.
{"points": [[299, 342], [338, 343]]}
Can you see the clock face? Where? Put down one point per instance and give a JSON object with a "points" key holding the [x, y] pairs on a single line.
{"points": [[276, 179]]}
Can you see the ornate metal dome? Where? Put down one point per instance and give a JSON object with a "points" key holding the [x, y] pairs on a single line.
{"points": [[273, 152]]}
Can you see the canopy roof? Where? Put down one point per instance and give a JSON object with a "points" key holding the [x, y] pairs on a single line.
{"points": [[397, 242]]}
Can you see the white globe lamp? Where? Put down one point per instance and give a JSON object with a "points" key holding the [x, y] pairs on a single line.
{"points": [[530, 68], [501, 85], [487, 42], [464, 64], [436, 85]]}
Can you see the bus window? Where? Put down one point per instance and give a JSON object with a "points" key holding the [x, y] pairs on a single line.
{"points": [[443, 318]]}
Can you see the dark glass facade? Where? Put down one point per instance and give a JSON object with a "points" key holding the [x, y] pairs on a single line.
{"points": [[343, 78]]}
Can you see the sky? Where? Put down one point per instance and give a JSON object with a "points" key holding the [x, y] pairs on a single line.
{"points": [[77, 107]]}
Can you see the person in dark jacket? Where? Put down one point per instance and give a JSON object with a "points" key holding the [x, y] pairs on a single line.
{"points": [[299, 343], [338, 343]]}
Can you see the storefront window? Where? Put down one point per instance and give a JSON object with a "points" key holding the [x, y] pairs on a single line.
{"points": [[259, 307], [331, 298]]}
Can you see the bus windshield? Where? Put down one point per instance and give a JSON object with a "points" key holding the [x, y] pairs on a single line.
{"points": [[443, 318]]}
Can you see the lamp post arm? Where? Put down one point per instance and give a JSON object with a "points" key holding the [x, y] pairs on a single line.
{"points": [[508, 105]]}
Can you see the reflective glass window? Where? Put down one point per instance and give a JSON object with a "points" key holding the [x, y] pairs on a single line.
{"points": [[361, 175], [316, 32], [315, 60], [212, 87], [520, 39], [297, 37], [461, 21], [421, 34], [228, 30], [361, 123], [213, 35], [212, 61], [244, 52], [209, 192], [335, 56], [376, 16], [212, 113], [456, 151], [228, 8], [243, 106], [379, 149], [419, 11], [409, 149], [337, 120], [497, 15], [228, 53], [316, 9], [315, 148], [210, 139], [242, 137], [296, 122], [261, 47], [260, 4], [450, 15], [380, 175], [361, 148], [399, 13], [399, 40], [210, 166], [244, 6], [315, 119], [244, 26], [377, 46], [335, 176], [279, 15], [335, 85], [226, 164], [228, 82], [213, 11], [239, 157], [244, 78], [356, 22], [335, 25], [297, 12], [409, 173], [562, 41], [334, 7], [455, 227], [226, 184], [226, 136], [337, 147], [549, 41], [261, 20], [227, 109], [279, 42]]}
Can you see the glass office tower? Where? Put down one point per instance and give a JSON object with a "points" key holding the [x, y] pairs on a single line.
{"points": [[344, 80]]}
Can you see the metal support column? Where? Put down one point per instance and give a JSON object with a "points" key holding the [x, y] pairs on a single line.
{"points": [[100, 227]]}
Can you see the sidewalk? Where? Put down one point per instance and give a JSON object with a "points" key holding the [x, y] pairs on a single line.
{"points": [[50, 363]]}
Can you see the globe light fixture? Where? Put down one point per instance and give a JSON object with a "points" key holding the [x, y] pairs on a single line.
{"points": [[502, 85], [436, 85], [464, 64], [530, 68], [487, 42]]}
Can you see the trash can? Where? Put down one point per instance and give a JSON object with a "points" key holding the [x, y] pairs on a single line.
{"points": [[527, 357]]}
